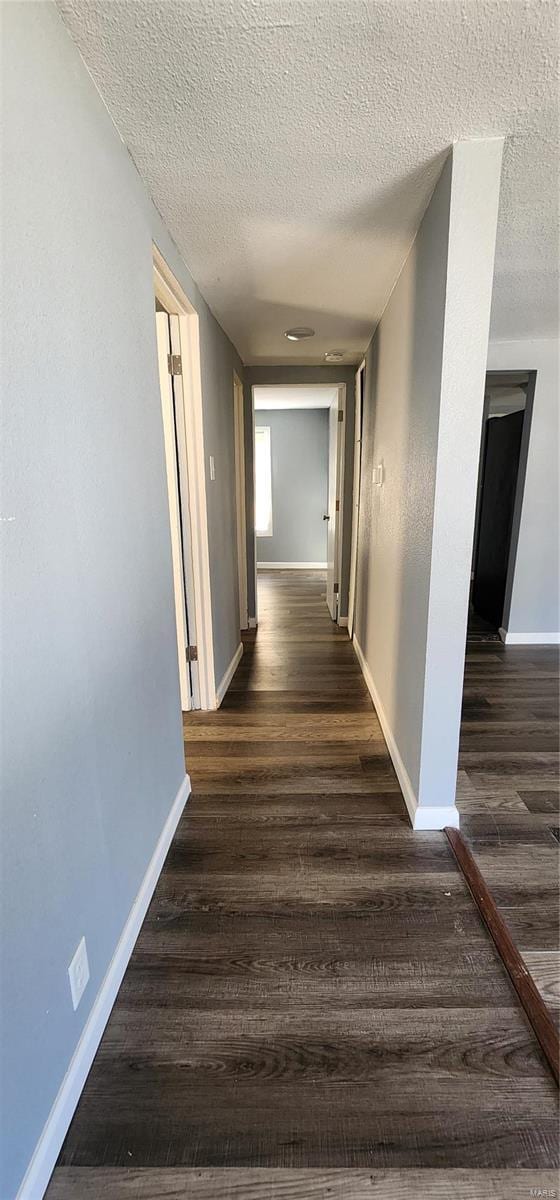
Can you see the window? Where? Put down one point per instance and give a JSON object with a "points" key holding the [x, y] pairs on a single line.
{"points": [[263, 482]]}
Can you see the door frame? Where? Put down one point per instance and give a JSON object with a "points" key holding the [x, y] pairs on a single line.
{"points": [[340, 388], [192, 459], [493, 374], [340, 472], [167, 338], [240, 501], [356, 485]]}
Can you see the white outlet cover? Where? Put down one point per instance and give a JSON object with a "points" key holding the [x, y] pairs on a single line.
{"points": [[78, 973]]}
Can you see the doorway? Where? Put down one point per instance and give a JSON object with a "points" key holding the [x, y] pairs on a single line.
{"points": [[177, 339], [508, 404], [299, 433], [356, 485], [167, 332], [240, 506]]}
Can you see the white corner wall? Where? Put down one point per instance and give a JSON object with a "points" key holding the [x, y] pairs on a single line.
{"points": [[534, 611], [423, 412]]}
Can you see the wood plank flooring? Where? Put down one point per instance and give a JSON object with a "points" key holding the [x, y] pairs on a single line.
{"points": [[509, 795], [314, 1008]]}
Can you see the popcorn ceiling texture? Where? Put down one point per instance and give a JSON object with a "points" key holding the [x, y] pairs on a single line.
{"points": [[291, 147]]}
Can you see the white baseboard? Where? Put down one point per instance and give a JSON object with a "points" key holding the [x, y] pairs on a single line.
{"points": [[432, 816], [343, 621], [46, 1152], [253, 622], [529, 639], [422, 816], [291, 566], [228, 676]]}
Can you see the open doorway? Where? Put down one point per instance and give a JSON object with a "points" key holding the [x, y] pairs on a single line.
{"points": [[299, 481], [506, 425], [181, 404]]}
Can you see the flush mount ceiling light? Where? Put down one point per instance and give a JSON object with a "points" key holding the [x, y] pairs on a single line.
{"points": [[299, 333], [334, 355]]}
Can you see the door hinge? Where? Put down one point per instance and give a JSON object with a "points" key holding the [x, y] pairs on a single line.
{"points": [[192, 654], [174, 365], [340, 415], [337, 506], [335, 589]]}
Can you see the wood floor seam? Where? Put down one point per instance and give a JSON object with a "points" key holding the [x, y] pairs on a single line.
{"points": [[314, 1007]]}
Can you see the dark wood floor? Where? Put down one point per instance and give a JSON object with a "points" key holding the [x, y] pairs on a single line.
{"points": [[313, 1007], [509, 794]]}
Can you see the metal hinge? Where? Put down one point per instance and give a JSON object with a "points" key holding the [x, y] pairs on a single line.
{"points": [[337, 506], [335, 589], [174, 365], [340, 415], [192, 653]]}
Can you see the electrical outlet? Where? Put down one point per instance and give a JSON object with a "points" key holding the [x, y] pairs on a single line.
{"points": [[78, 973]]}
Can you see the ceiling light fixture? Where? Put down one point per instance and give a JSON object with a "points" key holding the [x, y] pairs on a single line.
{"points": [[299, 333], [334, 355]]}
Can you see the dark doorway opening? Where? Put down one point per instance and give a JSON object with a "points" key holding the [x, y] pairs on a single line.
{"points": [[508, 403]]}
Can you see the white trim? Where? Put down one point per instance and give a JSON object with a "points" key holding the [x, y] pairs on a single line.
{"points": [[343, 621], [172, 454], [422, 816], [228, 675], [252, 622], [428, 816], [46, 1152], [356, 484], [240, 505], [252, 514], [340, 473], [529, 639], [173, 298], [292, 566], [336, 517]]}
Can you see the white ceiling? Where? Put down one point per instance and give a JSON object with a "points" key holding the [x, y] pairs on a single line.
{"points": [[291, 147], [293, 396]]}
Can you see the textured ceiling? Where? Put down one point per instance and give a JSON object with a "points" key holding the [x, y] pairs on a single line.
{"points": [[291, 147], [293, 396]]}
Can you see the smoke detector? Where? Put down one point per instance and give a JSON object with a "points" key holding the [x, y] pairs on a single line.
{"points": [[334, 355], [299, 333]]}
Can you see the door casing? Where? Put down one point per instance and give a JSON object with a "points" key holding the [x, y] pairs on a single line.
{"points": [[337, 440], [192, 465], [240, 502], [358, 422]]}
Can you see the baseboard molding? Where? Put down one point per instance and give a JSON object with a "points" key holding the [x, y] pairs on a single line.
{"points": [[39, 1171], [253, 622], [422, 816], [343, 621], [529, 639], [432, 816], [291, 566], [228, 676]]}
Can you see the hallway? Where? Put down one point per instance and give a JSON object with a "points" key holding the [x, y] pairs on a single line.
{"points": [[312, 987]]}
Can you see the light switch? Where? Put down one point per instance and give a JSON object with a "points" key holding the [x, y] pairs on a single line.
{"points": [[78, 973], [212, 467], [378, 474]]}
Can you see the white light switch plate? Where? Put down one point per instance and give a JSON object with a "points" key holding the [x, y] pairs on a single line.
{"points": [[212, 467], [78, 973]]}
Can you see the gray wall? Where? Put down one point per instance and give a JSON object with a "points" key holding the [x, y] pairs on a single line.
{"points": [[92, 740], [400, 425], [300, 468], [535, 599], [424, 395], [293, 374]]}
